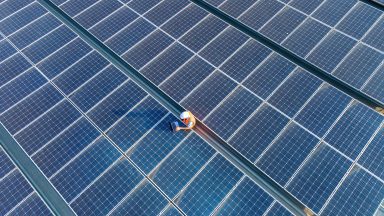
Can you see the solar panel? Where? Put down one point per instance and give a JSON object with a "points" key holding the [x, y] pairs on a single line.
{"points": [[75, 113]]}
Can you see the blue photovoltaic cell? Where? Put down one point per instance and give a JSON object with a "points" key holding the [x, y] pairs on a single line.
{"points": [[141, 6], [165, 10], [354, 129], [6, 50], [129, 36], [21, 18], [260, 13], [9, 7], [114, 23], [359, 65], [295, 91], [32, 206], [209, 187], [136, 123], [56, 154], [116, 105], [374, 86], [12, 67], [147, 49], [155, 145], [215, 2], [6, 164], [223, 46], [64, 58], [46, 127], [171, 211], [332, 11], [359, 20], [204, 32], [208, 95], [74, 7], [245, 60], [174, 173], [287, 153], [97, 88], [360, 194], [302, 40], [269, 75], [331, 51], [323, 109], [71, 180], [20, 87], [319, 176], [163, 66], [258, 132], [48, 44], [233, 112], [372, 158], [375, 36], [30, 108], [246, 199], [189, 76], [281, 25], [184, 21], [236, 8], [306, 6], [145, 200], [113, 185], [278, 210], [97, 12]]}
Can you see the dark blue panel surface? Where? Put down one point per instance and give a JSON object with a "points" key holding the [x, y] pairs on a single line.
{"points": [[128, 37], [64, 58], [354, 129], [306, 6], [260, 13], [30, 108], [331, 51], [287, 153], [215, 2], [282, 24], [372, 158], [236, 8], [218, 50], [246, 199], [319, 176], [74, 7], [155, 145], [174, 173], [48, 44], [360, 194], [79, 73], [359, 65], [165, 10], [136, 123], [71, 180], [46, 127], [233, 112], [163, 66], [97, 88], [116, 105], [208, 95], [6, 50], [323, 109], [20, 87], [209, 187], [184, 21], [33, 206], [6, 164], [114, 23], [269, 75], [145, 200], [187, 77], [374, 86], [375, 37], [204, 32], [66, 146], [278, 210], [332, 11], [295, 91], [306, 37], [359, 20], [245, 60], [141, 6], [112, 186], [147, 49], [9, 7], [258, 132], [12, 67], [97, 12]]}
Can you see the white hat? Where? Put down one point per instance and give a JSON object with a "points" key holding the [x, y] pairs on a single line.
{"points": [[184, 115]]}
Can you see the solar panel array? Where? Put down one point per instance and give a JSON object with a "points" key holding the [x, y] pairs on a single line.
{"points": [[105, 145]]}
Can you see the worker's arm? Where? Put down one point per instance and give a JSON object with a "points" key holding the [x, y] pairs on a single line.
{"points": [[189, 126]]}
